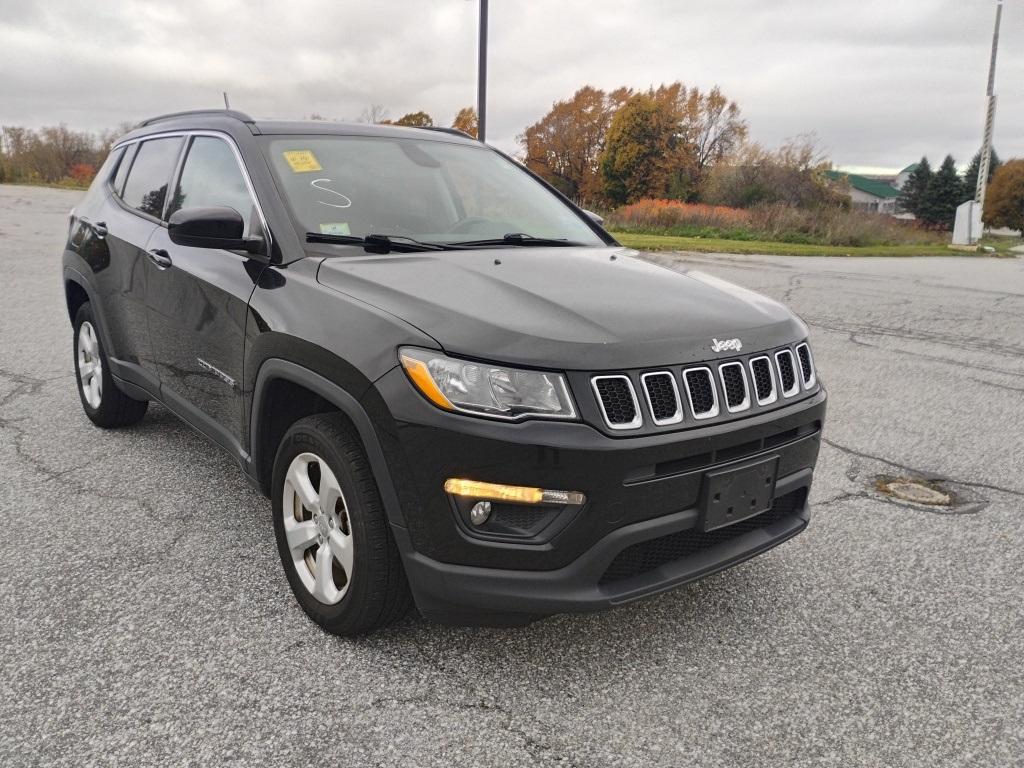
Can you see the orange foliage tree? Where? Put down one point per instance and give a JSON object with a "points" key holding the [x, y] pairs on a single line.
{"points": [[466, 121], [565, 145]]}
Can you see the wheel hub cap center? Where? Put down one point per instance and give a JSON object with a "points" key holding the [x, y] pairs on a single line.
{"points": [[321, 525]]}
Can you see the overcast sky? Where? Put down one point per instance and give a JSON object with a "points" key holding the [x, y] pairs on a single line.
{"points": [[880, 81]]}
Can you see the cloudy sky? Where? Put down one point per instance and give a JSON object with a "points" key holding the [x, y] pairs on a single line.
{"points": [[880, 81]]}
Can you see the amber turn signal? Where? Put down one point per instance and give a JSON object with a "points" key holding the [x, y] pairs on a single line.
{"points": [[514, 493]]}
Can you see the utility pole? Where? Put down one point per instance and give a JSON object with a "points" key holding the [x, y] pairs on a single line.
{"points": [[481, 75], [990, 115], [227, 104], [969, 226]]}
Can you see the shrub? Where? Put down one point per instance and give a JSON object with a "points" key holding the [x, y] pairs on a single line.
{"points": [[779, 223]]}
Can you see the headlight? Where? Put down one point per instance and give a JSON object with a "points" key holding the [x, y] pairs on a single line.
{"points": [[487, 390]]}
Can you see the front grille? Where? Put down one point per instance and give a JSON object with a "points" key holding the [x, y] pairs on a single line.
{"points": [[734, 384], [663, 398], [787, 373], [764, 382], [700, 389], [806, 365], [649, 555], [618, 401], [708, 392]]}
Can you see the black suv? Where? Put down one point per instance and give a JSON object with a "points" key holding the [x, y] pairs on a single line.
{"points": [[456, 388]]}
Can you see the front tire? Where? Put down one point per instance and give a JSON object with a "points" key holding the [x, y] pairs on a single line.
{"points": [[332, 533], [104, 404]]}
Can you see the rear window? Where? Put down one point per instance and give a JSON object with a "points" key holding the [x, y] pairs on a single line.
{"points": [[146, 188], [122, 168]]}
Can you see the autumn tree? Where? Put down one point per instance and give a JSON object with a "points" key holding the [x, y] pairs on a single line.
{"points": [[640, 150], [1004, 201], [708, 127], [466, 121], [564, 147], [416, 120]]}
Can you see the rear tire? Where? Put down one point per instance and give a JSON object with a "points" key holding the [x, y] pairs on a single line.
{"points": [[104, 404], [332, 532]]}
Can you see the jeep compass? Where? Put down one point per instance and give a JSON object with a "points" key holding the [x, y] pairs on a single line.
{"points": [[458, 391]]}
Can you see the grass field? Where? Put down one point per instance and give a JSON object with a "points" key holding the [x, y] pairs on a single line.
{"points": [[711, 245]]}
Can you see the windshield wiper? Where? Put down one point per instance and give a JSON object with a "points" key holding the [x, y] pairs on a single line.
{"points": [[375, 243], [519, 238]]}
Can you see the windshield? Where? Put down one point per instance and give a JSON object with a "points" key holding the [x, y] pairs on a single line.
{"points": [[432, 191]]}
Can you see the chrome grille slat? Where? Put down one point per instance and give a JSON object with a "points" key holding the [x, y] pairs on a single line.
{"points": [[763, 380], [662, 394], [734, 386], [701, 392], [787, 373], [617, 400], [807, 374]]}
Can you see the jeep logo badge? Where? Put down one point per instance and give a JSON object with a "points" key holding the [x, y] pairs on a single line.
{"points": [[724, 344]]}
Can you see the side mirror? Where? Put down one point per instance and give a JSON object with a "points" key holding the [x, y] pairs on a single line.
{"points": [[595, 217], [211, 228]]}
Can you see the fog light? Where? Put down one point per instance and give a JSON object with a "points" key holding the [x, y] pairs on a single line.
{"points": [[514, 493], [480, 512]]}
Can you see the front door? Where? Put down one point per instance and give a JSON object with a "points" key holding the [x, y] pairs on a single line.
{"points": [[198, 300]]}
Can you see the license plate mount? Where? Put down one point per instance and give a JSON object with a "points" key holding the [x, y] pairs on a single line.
{"points": [[738, 493]]}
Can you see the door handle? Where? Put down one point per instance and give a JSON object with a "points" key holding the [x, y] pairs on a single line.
{"points": [[160, 257], [99, 227]]}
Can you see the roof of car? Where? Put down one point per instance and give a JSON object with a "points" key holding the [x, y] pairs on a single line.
{"points": [[216, 118]]}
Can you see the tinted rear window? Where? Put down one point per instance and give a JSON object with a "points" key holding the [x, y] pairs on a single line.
{"points": [[150, 174], [122, 168]]}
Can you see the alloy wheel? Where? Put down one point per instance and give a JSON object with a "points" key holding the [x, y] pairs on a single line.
{"points": [[318, 528], [90, 366]]}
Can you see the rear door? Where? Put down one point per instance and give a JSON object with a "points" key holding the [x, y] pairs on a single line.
{"points": [[130, 215], [198, 297]]}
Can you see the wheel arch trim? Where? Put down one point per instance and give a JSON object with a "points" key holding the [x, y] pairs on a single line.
{"points": [[278, 369]]}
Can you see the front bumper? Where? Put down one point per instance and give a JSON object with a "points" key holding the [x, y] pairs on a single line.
{"points": [[643, 496]]}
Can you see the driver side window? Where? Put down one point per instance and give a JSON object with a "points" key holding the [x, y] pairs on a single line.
{"points": [[211, 178]]}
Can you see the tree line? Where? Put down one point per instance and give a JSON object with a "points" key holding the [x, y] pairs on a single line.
{"points": [[605, 149], [933, 196]]}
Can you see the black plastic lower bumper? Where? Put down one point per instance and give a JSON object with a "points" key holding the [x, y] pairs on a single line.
{"points": [[640, 532], [470, 595]]}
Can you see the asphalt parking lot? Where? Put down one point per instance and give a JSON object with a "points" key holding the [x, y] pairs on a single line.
{"points": [[145, 619]]}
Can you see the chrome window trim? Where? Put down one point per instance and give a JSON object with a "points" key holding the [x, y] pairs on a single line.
{"points": [[796, 373], [814, 375], [678, 415], [183, 158], [746, 386], [714, 393], [637, 421], [771, 375]]}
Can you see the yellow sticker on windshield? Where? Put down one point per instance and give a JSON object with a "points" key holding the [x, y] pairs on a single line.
{"points": [[302, 161]]}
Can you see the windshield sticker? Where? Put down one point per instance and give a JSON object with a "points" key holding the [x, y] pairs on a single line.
{"points": [[339, 201], [302, 161], [335, 229]]}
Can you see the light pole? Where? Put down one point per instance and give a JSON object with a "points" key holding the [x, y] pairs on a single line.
{"points": [[481, 76]]}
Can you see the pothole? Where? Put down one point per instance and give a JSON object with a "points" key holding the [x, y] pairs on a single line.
{"points": [[941, 496], [915, 491]]}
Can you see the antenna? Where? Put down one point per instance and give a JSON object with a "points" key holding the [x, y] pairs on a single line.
{"points": [[990, 115], [227, 104]]}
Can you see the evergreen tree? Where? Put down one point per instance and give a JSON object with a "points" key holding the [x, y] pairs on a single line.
{"points": [[971, 177], [913, 192], [943, 195]]}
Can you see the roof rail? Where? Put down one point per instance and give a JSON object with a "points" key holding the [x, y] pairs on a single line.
{"points": [[196, 113], [452, 131]]}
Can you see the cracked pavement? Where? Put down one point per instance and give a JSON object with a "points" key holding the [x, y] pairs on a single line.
{"points": [[144, 618]]}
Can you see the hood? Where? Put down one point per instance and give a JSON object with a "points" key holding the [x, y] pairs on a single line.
{"points": [[565, 308]]}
